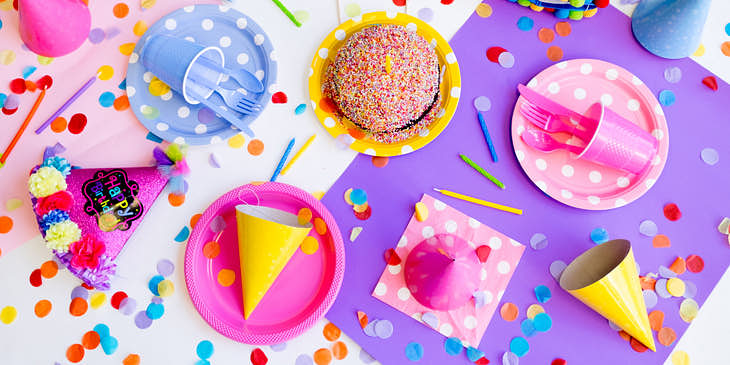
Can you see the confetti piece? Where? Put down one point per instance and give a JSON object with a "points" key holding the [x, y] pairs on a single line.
{"points": [[563, 29], [694, 263], [542, 322], [211, 249], [362, 318], [483, 252], [331, 332], [117, 298], [421, 212], [360, 208], [666, 336], [430, 319], [320, 226], [155, 311], [8, 314], [679, 266], [680, 357], [665, 272], [165, 267], [534, 310], [166, 288], [278, 347], [672, 212], [380, 161], [358, 197], [301, 108], [154, 283], [724, 226], [354, 233], [218, 224], [304, 216], [506, 59], [226, 277], [49, 269], [690, 289], [725, 48], [599, 235], [661, 288], [80, 292], [127, 306], [625, 336], [77, 123], [474, 354], [525, 23], [97, 300], [527, 327], [637, 346], [656, 320], [711, 82], [150, 136], [650, 298], [519, 346], [542, 293], [131, 359], [279, 98], [44, 82], [309, 245], [176, 200], [647, 283], [75, 353], [556, 269], [322, 356], [121, 103], [414, 351], [18, 86], [453, 346], [554, 53], [339, 350], [391, 257], [648, 228], [546, 35], [91, 340], [509, 358], [675, 286], [494, 52], [673, 74], [109, 344], [383, 329], [146, 4], [364, 215], [214, 161], [205, 349], [42, 308], [36, 278], [369, 330], [120, 10], [538, 241], [139, 28], [710, 156], [661, 240], [509, 311], [667, 97], [78, 307], [484, 10]]}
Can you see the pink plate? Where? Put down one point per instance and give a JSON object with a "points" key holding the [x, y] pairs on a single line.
{"points": [[300, 296], [577, 84]]}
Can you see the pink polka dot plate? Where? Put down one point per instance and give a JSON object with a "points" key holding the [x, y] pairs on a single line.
{"points": [[301, 295], [577, 84]]}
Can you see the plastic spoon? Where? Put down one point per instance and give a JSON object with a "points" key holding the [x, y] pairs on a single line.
{"points": [[544, 142], [244, 78]]}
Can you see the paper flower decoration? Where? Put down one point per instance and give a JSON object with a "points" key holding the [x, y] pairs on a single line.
{"points": [[60, 200], [59, 163], [86, 252], [46, 181], [53, 217], [59, 236]]}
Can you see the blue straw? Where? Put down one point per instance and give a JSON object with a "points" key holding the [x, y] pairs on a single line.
{"points": [[283, 160], [486, 136]]}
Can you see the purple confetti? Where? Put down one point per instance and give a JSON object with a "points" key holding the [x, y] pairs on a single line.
{"points": [[12, 102], [650, 299], [666, 272], [509, 358], [506, 60], [127, 306], [370, 328], [303, 359], [710, 156], [157, 300], [97, 35], [648, 228], [279, 347], [142, 321], [213, 160], [556, 269], [79, 292], [538, 241], [165, 267], [425, 14], [364, 357], [218, 224], [690, 289], [661, 288], [614, 326], [430, 319], [482, 103], [112, 32], [384, 329]]}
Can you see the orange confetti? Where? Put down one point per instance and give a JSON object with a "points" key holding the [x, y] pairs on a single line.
{"points": [[555, 53], [78, 307], [725, 48], [121, 103], [304, 216], [380, 161], [176, 200], [339, 350], [661, 240], [563, 29], [509, 312], [226, 277], [121, 10], [647, 283], [131, 359], [42, 308], [58, 125], [90, 340], [30, 86], [624, 335], [211, 249], [49, 269], [320, 226], [362, 318], [637, 346], [679, 266], [656, 319], [6, 224], [194, 220], [666, 336], [546, 35], [75, 353], [331, 332], [322, 357], [356, 133], [255, 147]]}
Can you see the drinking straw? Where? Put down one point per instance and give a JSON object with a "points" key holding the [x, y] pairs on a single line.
{"points": [[483, 124], [479, 201], [283, 160], [482, 171], [66, 104], [287, 13], [299, 153], [22, 128]]}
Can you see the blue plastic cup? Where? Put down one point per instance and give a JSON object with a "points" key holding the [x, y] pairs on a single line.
{"points": [[174, 60]]}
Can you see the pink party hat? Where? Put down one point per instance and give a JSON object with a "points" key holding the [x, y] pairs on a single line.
{"points": [[53, 28], [87, 215], [442, 272]]}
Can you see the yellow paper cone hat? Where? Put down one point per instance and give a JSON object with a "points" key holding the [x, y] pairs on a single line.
{"points": [[605, 279], [267, 239]]}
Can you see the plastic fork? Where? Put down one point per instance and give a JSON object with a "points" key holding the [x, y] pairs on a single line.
{"points": [[238, 101], [544, 142], [550, 122]]}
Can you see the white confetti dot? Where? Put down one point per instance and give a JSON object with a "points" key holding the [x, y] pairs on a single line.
{"points": [[323, 52], [241, 23], [495, 243], [215, 140], [633, 105], [595, 177], [381, 289], [147, 77], [503, 267], [586, 68], [473, 223], [340, 34], [483, 274], [403, 241], [710, 156], [134, 57], [446, 329], [411, 27], [567, 170], [611, 74], [406, 149], [394, 269], [579, 93], [439, 205], [554, 88], [541, 164], [183, 112], [179, 140], [131, 91], [450, 226], [520, 155], [207, 24], [259, 74], [567, 194], [451, 57], [329, 122], [170, 24], [427, 232], [622, 182], [455, 92], [470, 322], [201, 128], [225, 41], [594, 200], [258, 39], [606, 99], [541, 185], [404, 294], [162, 126]]}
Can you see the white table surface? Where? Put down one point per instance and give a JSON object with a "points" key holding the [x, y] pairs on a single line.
{"points": [[172, 339]]}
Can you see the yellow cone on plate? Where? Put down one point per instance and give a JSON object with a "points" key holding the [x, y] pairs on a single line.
{"points": [[267, 239], [605, 279]]}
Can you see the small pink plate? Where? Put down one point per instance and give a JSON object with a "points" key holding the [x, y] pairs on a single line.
{"points": [[577, 84], [300, 296]]}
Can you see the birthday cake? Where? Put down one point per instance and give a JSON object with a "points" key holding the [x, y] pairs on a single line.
{"points": [[385, 80]]}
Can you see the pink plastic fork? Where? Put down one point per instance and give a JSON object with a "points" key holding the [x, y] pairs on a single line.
{"points": [[550, 122], [542, 141]]}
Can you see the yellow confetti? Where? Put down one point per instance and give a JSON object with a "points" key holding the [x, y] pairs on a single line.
{"points": [[676, 287], [7, 57], [236, 141], [318, 194], [157, 87], [146, 4], [534, 310], [421, 212], [536, 7], [484, 10], [8, 314], [97, 299], [304, 216], [700, 51], [309, 245], [226, 277], [347, 196], [688, 310], [13, 204], [105, 72], [680, 357], [139, 28], [45, 60], [126, 48], [360, 208], [165, 288]]}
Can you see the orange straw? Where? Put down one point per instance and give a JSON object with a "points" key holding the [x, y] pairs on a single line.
{"points": [[22, 128]]}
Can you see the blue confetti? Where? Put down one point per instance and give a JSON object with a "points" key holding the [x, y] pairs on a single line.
{"points": [[527, 327], [474, 354], [453, 346], [106, 99], [414, 351], [102, 330], [154, 282], [109, 344], [28, 70], [1, 24], [727, 28], [542, 322], [525, 23], [155, 310], [205, 349], [80, 292], [3, 97], [599, 235], [123, 84], [300, 109], [667, 97], [542, 293], [358, 196], [183, 235], [519, 346], [153, 138], [202, 362]]}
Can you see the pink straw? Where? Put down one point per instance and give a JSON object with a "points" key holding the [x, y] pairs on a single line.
{"points": [[66, 105]]}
